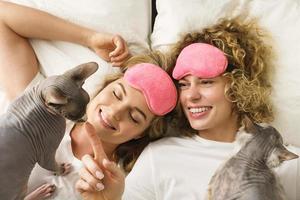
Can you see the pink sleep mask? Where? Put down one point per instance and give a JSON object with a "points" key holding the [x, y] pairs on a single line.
{"points": [[156, 85], [201, 60]]}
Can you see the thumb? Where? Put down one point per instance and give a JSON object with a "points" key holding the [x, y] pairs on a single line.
{"points": [[95, 141]]}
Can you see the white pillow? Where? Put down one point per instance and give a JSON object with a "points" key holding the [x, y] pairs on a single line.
{"points": [[177, 17], [131, 19], [282, 18]]}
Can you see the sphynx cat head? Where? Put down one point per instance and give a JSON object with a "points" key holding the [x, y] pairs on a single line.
{"points": [[64, 95], [270, 145]]}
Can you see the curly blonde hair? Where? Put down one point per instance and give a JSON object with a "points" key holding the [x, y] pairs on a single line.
{"points": [[250, 58], [127, 153]]}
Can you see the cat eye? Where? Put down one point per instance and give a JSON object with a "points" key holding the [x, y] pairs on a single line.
{"points": [[54, 105]]}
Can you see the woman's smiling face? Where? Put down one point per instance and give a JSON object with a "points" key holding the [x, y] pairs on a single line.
{"points": [[119, 112], [204, 103]]}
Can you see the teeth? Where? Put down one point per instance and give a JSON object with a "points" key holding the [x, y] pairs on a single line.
{"points": [[105, 120], [198, 110]]}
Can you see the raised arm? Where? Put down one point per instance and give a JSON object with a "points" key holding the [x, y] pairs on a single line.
{"points": [[33, 23], [17, 23]]}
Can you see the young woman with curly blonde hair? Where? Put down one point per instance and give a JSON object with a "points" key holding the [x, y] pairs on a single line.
{"points": [[223, 75]]}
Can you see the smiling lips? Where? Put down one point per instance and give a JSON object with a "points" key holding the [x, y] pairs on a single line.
{"points": [[104, 121], [198, 112]]}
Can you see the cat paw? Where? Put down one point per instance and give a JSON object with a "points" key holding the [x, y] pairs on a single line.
{"points": [[41, 192], [64, 169]]}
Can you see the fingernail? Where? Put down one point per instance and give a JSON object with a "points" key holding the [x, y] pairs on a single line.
{"points": [[99, 175], [100, 186]]}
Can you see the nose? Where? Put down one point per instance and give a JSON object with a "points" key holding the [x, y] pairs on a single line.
{"points": [[118, 110], [193, 93]]}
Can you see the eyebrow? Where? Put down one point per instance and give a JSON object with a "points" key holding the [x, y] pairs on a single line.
{"points": [[122, 87], [139, 110]]}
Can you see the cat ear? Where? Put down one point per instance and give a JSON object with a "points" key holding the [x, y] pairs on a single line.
{"points": [[54, 96], [82, 72], [285, 154], [249, 125]]}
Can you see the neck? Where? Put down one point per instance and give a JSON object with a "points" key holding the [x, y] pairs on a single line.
{"points": [[81, 145], [244, 156], [109, 149], [224, 133]]}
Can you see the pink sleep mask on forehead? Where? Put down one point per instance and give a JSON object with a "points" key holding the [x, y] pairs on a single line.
{"points": [[156, 85], [201, 60]]}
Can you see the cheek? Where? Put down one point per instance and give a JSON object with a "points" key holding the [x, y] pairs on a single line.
{"points": [[93, 104], [182, 97], [89, 109], [130, 131], [217, 96]]}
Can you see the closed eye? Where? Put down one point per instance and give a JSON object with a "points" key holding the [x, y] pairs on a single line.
{"points": [[135, 116], [117, 95], [134, 120]]}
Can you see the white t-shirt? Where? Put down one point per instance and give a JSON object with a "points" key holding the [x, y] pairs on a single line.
{"points": [[65, 185], [181, 168]]}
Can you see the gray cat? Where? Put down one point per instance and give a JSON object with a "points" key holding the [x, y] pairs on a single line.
{"points": [[34, 125], [248, 175]]}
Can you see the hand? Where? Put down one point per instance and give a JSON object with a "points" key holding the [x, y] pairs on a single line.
{"points": [[111, 48], [98, 171]]}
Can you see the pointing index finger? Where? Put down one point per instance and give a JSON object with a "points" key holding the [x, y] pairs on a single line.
{"points": [[96, 143]]}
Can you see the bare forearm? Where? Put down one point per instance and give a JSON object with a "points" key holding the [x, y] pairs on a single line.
{"points": [[33, 23]]}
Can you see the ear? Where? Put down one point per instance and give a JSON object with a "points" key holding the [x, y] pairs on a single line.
{"points": [[82, 72], [53, 95], [285, 154], [249, 125]]}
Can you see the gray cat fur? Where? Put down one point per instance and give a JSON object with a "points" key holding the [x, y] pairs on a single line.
{"points": [[248, 175], [34, 125]]}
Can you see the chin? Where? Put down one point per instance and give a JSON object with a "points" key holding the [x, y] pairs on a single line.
{"points": [[198, 126]]}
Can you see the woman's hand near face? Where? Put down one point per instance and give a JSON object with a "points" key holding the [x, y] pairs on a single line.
{"points": [[100, 179], [111, 48]]}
